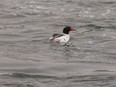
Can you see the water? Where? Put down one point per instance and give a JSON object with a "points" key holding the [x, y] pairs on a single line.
{"points": [[29, 60]]}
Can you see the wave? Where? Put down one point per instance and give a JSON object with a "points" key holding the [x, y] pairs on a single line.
{"points": [[93, 78], [108, 2], [23, 75], [94, 26]]}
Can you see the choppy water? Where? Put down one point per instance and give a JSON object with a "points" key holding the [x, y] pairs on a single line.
{"points": [[27, 59]]}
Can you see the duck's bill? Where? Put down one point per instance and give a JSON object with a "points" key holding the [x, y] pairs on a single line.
{"points": [[72, 29]]}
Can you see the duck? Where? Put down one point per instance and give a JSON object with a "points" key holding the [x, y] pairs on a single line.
{"points": [[62, 38]]}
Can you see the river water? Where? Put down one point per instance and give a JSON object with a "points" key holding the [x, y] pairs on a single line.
{"points": [[28, 59]]}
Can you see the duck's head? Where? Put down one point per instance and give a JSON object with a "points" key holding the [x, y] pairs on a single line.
{"points": [[67, 29]]}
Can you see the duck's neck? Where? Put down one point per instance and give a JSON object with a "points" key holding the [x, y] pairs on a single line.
{"points": [[66, 34]]}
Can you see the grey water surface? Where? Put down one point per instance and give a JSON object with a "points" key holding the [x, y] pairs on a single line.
{"points": [[28, 59]]}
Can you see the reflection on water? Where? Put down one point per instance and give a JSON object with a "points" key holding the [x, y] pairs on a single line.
{"points": [[28, 59]]}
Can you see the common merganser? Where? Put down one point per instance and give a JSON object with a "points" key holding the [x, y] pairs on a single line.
{"points": [[62, 38]]}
